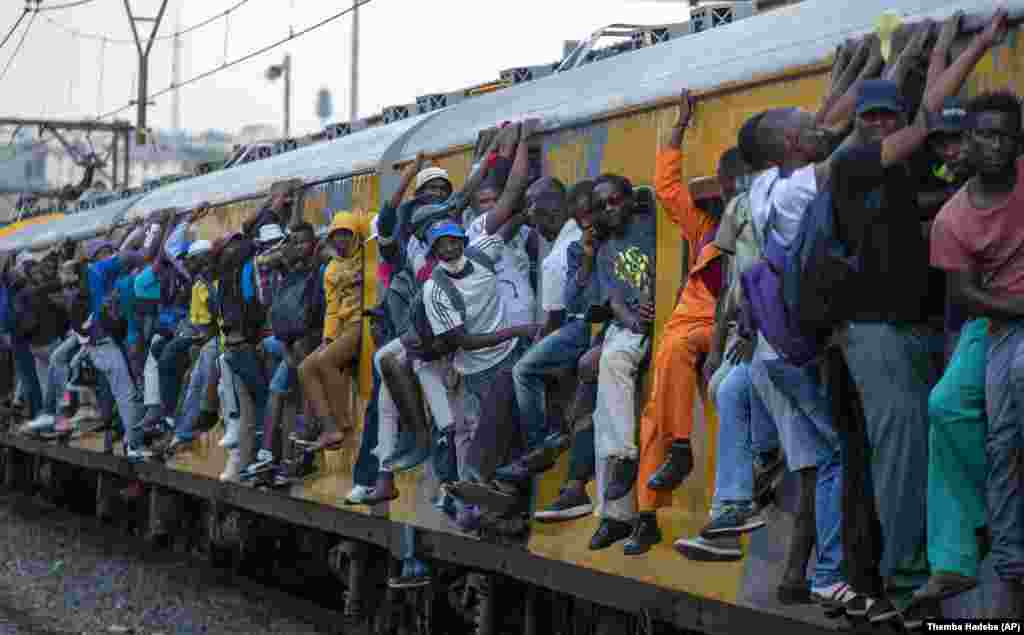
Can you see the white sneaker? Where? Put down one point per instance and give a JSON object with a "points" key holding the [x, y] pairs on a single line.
{"points": [[86, 413], [358, 494], [230, 439], [137, 454], [233, 469], [42, 422]]}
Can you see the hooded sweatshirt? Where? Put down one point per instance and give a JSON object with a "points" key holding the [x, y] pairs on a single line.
{"points": [[343, 279]]}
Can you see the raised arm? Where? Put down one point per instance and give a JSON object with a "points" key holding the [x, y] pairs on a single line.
{"points": [[675, 195], [477, 173], [512, 195], [901, 145], [839, 112]]}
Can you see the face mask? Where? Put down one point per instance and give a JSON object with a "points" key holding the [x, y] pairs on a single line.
{"points": [[455, 266]]}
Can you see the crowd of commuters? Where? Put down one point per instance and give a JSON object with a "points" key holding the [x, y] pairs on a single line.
{"points": [[516, 323]]}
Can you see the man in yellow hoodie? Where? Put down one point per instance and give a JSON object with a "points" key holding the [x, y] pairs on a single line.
{"points": [[326, 374]]}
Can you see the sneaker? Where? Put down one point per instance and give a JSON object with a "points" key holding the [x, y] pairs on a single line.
{"points": [[42, 423], [915, 615], [264, 459], [414, 574], [942, 585], [609, 532], [134, 453], [859, 605], [86, 414], [733, 520], [230, 439], [882, 610], [677, 466], [358, 494], [699, 549], [571, 503], [233, 468], [177, 444], [646, 534], [623, 478], [836, 595], [445, 503]]}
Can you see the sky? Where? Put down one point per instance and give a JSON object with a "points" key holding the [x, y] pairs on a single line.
{"points": [[408, 48]]}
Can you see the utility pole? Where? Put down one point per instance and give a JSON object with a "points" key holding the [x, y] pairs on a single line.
{"points": [[353, 92], [176, 76], [284, 70], [141, 102]]}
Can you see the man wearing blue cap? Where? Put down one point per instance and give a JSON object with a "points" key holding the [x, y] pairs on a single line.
{"points": [[885, 342]]}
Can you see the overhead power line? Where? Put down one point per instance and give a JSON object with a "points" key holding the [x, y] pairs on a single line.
{"points": [[21, 42], [68, 5], [14, 28], [244, 58], [112, 40]]}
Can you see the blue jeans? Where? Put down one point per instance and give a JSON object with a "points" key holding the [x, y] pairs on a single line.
{"points": [[60, 365], [1004, 445], [245, 364], [364, 472], [745, 428], [197, 384], [173, 364], [809, 439], [25, 365], [558, 351]]}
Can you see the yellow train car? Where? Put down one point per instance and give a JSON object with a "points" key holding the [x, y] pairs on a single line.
{"points": [[604, 117]]}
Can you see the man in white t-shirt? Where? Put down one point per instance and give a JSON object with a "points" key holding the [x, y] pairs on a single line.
{"points": [[467, 313], [513, 271]]}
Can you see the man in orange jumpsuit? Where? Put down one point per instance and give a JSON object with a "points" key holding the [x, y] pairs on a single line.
{"points": [[665, 454]]}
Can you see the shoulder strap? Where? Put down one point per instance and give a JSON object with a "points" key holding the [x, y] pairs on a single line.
{"points": [[442, 280], [480, 257]]}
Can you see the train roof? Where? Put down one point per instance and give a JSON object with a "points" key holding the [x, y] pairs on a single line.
{"points": [[768, 43]]}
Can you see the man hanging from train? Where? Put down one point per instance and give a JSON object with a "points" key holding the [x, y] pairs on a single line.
{"points": [[977, 237], [626, 269], [885, 343]]}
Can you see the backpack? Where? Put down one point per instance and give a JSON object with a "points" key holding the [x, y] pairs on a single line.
{"points": [[792, 292], [296, 304], [392, 312], [418, 320]]}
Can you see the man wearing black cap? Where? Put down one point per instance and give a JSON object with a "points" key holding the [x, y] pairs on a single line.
{"points": [[884, 343]]}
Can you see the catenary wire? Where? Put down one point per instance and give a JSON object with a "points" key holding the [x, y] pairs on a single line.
{"points": [[244, 58]]}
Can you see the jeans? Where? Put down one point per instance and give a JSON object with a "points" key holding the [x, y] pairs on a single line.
{"points": [[110, 361], [892, 368], [202, 373], [25, 366], [745, 428], [60, 367], [364, 472], [581, 456], [558, 351], [246, 366], [1004, 445], [173, 364]]}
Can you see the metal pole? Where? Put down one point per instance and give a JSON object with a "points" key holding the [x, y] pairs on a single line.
{"points": [[353, 92], [287, 95], [114, 158], [143, 63]]}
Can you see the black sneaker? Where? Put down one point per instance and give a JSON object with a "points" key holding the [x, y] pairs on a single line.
{"points": [[733, 521], [942, 585], [915, 615], [860, 605], [698, 549], [609, 532], [677, 466], [571, 503], [623, 477], [646, 534], [882, 610]]}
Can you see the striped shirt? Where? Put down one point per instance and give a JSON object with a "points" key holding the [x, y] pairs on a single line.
{"points": [[485, 309]]}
